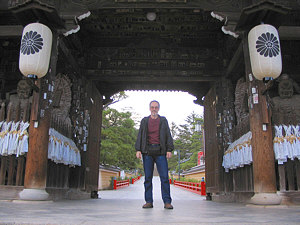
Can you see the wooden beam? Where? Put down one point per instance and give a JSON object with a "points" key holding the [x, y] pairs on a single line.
{"points": [[152, 79], [149, 78], [69, 56], [289, 32], [235, 61], [166, 4], [11, 31]]}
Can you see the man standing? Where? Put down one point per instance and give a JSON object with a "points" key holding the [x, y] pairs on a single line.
{"points": [[155, 144]]}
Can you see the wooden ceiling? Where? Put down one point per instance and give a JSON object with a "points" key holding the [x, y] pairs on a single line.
{"points": [[186, 47], [182, 49]]}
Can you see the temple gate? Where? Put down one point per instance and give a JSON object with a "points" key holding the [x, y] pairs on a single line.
{"points": [[102, 47]]}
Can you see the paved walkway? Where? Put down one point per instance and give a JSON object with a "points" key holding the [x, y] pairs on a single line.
{"points": [[124, 206]]}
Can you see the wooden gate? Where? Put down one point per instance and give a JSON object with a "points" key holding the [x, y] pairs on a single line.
{"points": [[213, 150]]}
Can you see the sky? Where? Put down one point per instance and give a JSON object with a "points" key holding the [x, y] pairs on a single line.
{"points": [[175, 106]]}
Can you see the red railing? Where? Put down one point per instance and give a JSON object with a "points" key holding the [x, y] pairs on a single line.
{"points": [[135, 179], [198, 188], [120, 183]]}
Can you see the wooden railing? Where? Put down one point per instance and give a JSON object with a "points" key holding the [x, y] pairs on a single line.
{"points": [[120, 183], [289, 176], [135, 179], [198, 188], [12, 167]]}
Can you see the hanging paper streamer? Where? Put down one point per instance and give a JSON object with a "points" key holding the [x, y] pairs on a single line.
{"points": [[239, 153], [62, 149], [286, 142], [13, 138]]}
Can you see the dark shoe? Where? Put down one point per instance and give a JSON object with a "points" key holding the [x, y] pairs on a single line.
{"points": [[148, 205], [168, 206]]}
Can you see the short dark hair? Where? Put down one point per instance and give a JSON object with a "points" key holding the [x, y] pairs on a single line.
{"points": [[156, 102]]}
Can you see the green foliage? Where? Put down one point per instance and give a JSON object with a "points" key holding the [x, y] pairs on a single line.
{"points": [[131, 178], [119, 135], [188, 141], [112, 182], [115, 98], [117, 140]]}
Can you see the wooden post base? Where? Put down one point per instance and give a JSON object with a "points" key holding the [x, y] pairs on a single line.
{"points": [[33, 195], [265, 199]]}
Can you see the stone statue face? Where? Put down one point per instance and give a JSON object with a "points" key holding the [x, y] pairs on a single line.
{"points": [[285, 88], [23, 89]]}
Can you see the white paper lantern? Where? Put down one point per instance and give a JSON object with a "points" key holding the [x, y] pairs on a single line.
{"points": [[35, 50], [265, 52]]}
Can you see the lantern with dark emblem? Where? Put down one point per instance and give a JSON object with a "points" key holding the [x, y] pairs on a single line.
{"points": [[35, 50], [265, 53]]}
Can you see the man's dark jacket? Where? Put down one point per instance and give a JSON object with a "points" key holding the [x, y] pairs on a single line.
{"points": [[166, 140]]}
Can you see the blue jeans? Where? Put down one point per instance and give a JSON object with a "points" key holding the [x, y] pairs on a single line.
{"points": [[162, 167]]}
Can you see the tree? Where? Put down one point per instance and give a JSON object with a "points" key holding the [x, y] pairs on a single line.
{"points": [[173, 129], [188, 141], [117, 139], [115, 98]]}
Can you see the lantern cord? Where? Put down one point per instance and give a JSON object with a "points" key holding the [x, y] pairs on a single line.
{"points": [[268, 86], [31, 83]]}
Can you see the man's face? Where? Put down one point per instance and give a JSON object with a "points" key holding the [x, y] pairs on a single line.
{"points": [[154, 108]]}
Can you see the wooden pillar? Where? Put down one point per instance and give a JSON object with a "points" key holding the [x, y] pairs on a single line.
{"points": [[2, 159], [37, 156], [6, 159], [36, 166], [297, 162], [12, 158], [264, 177], [21, 158], [290, 174], [281, 171], [93, 149]]}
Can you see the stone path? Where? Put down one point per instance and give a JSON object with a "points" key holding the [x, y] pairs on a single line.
{"points": [[124, 206]]}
